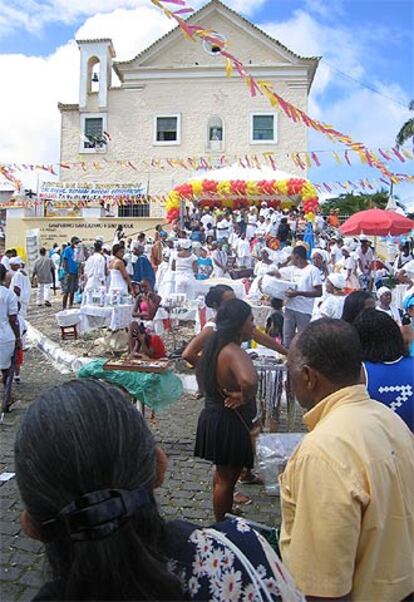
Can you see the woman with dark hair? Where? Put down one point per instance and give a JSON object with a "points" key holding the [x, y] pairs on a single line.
{"points": [[356, 302], [229, 381], [388, 373], [143, 343], [119, 278], [215, 298], [104, 537]]}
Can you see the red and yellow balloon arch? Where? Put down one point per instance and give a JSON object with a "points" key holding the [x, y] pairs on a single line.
{"points": [[238, 194]]}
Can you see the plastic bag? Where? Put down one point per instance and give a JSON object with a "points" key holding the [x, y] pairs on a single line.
{"points": [[272, 453]]}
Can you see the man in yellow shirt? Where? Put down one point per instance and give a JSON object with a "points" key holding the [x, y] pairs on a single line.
{"points": [[347, 493]]}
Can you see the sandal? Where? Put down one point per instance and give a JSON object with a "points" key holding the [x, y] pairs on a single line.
{"points": [[251, 479], [241, 498]]}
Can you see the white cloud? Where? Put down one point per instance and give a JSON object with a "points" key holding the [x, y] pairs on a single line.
{"points": [[130, 30], [30, 124], [33, 15]]}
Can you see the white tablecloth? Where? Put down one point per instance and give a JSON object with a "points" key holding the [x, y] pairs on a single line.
{"points": [[93, 317]]}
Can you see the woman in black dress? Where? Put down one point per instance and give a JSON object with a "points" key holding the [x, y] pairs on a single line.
{"points": [[229, 382]]}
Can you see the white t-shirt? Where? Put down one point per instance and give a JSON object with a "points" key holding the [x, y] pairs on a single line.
{"points": [[8, 307], [23, 282], [306, 279], [332, 307], [223, 229], [207, 219], [6, 262], [243, 248]]}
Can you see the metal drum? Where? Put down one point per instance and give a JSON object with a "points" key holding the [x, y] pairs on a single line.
{"points": [[273, 387]]}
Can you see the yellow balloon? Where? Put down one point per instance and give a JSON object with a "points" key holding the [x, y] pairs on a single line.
{"points": [[310, 217], [251, 188], [223, 188], [282, 186], [197, 186]]}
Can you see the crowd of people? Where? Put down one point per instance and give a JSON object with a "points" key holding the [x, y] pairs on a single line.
{"points": [[346, 493]]}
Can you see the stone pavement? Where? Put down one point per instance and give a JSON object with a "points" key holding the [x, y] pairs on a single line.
{"points": [[186, 492]]}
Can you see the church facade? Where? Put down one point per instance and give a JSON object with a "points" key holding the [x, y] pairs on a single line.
{"points": [[174, 101]]}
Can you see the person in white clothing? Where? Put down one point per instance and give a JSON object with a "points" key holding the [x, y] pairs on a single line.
{"points": [[265, 265], [223, 228], [261, 227], [332, 305], [220, 259], [5, 260], [9, 326], [299, 305], [251, 223], [95, 268], [207, 218], [119, 280], [384, 304], [348, 268], [20, 284], [243, 252], [264, 210], [185, 268], [365, 258]]}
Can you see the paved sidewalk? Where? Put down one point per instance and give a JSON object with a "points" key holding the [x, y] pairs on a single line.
{"points": [[186, 492]]}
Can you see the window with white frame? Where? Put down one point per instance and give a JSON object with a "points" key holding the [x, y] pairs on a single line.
{"points": [[263, 128], [167, 129], [94, 137], [134, 210], [215, 133]]}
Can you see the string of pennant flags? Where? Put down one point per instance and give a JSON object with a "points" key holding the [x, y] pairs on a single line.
{"points": [[194, 31], [83, 198], [303, 160]]}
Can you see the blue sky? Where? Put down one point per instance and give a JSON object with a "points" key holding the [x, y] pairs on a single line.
{"points": [[370, 40]]}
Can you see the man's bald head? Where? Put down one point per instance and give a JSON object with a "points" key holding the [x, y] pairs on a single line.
{"points": [[326, 356]]}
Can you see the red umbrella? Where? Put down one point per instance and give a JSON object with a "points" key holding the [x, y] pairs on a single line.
{"points": [[377, 222]]}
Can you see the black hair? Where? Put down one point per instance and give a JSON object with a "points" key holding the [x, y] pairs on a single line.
{"points": [[380, 336], [116, 248], [331, 347], [80, 437], [3, 272], [97, 246], [42, 251], [354, 304], [300, 251], [230, 319], [215, 295], [276, 303]]}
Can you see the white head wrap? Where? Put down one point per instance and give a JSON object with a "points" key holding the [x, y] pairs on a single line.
{"points": [[16, 261], [337, 280], [382, 290]]}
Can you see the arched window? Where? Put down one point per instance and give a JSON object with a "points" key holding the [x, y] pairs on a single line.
{"points": [[215, 133], [93, 74]]}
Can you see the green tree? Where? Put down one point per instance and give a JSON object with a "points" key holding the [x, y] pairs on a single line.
{"points": [[350, 203], [407, 130]]}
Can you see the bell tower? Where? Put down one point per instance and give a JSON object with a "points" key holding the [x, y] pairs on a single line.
{"points": [[96, 58]]}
